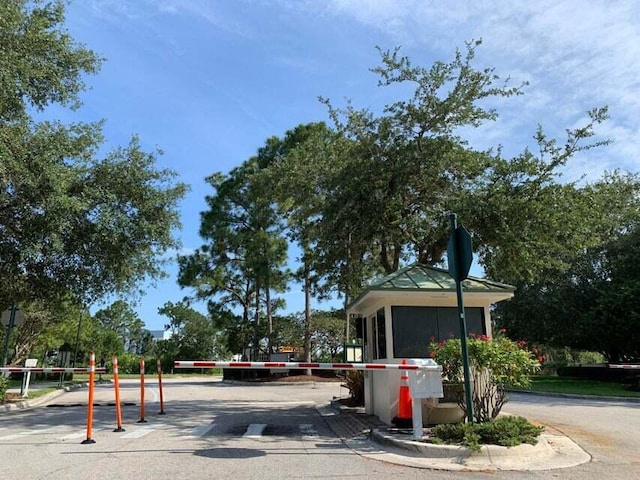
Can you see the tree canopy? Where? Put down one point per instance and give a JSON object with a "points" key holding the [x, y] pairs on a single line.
{"points": [[193, 335], [373, 191], [72, 221], [75, 223], [590, 306]]}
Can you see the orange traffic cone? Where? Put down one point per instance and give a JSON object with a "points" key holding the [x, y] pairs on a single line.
{"points": [[405, 414]]}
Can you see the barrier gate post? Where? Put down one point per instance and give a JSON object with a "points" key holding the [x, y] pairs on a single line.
{"points": [[142, 420], [92, 375], [116, 384], [159, 368]]}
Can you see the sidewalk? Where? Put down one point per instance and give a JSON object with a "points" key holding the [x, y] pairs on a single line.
{"points": [[34, 402], [370, 438]]}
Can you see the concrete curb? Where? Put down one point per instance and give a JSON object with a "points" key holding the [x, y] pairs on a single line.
{"points": [[35, 402], [30, 403], [550, 453], [594, 398], [382, 443]]}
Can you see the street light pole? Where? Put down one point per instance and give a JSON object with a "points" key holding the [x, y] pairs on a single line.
{"points": [[12, 320], [75, 354]]}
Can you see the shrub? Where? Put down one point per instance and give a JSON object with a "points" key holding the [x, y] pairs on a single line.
{"points": [[457, 434], [495, 366], [4, 386], [129, 363], [354, 382], [558, 357], [506, 431]]}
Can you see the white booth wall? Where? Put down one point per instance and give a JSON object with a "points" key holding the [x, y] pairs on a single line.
{"points": [[381, 388]]}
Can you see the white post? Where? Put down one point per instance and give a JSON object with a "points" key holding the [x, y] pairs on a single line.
{"points": [[25, 392], [29, 363], [417, 418], [423, 384]]}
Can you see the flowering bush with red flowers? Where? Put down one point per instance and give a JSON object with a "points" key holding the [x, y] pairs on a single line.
{"points": [[496, 364]]}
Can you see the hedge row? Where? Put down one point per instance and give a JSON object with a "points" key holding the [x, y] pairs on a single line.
{"points": [[603, 373]]}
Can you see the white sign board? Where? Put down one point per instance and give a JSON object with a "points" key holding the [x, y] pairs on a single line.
{"points": [[17, 320], [425, 383]]}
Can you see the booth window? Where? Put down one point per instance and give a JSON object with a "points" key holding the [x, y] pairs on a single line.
{"points": [[415, 327], [380, 335]]}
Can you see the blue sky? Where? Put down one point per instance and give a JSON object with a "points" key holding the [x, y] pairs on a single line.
{"points": [[207, 81]]}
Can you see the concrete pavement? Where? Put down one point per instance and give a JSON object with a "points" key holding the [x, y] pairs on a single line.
{"points": [[369, 437]]}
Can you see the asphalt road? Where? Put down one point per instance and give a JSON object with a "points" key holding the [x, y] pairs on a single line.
{"points": [[608, 430], [230, 431]]}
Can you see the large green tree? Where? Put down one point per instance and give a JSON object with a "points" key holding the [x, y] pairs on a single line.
{"points": [[375, 191], [193, 335], [243, 259], [328, 335], [73, 223], [409, 165], [303, 169], [120, 318], [402, 171], [40, 62], [591, 304]]}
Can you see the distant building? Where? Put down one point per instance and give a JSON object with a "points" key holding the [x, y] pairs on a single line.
{"points": [[160, 335]]}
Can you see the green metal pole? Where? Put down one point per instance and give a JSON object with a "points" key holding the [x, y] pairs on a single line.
{"points": [[12, 320], [463, 333], [465, 353]]}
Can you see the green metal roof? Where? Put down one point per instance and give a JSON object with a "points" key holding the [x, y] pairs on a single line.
{"points": [[423, 278]]}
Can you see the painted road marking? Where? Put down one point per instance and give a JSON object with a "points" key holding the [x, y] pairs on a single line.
{"points": [[155, 393], [26, 433], [255, 430], [200, 431], [83, 433], [141, 432]]}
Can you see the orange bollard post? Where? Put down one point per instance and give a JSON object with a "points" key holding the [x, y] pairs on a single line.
{"points": [[92, 376], [405, 411], [159, 368], [142, 420], [116, 384]]}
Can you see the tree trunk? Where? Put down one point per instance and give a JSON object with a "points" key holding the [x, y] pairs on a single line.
{"points": [[256, 324], [307, 316], [267, 290]]}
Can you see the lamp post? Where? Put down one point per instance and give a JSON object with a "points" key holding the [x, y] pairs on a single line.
{"points": [[10, 325], [75, 353]]}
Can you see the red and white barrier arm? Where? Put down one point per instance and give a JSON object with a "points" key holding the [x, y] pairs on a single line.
{"points": [[51, 370], [630, 366], [299, 365]]}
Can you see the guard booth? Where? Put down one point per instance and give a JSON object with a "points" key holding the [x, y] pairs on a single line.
{"points": [[406, 310]]}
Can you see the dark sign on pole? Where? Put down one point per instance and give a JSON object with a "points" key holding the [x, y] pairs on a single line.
{"points": [[459, 251], [459, 258]]}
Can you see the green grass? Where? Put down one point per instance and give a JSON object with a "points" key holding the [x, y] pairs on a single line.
{"points": [[40, 392], [555, 384]]}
